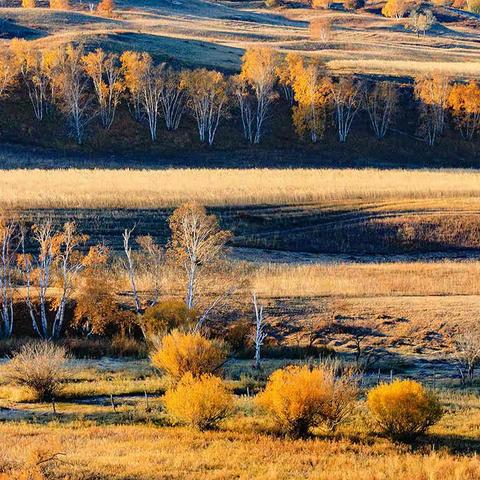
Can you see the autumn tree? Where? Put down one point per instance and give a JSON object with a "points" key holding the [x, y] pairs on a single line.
{"points": [[134, 67], [106, 7], [420, 22], [197, 245], [259, 66], [105, 72], [8, 71], [466, 344], [71, 88], [29, 3], [346, 96], [58, 258], [464, 103], [207, 99], [34, 66], [173, 98], [321, 4], [60, 4], [286, 72], [10, 241], [320, 30], [395, 8], [380, 101], [353, 4], [432, 93], [312, 93]]}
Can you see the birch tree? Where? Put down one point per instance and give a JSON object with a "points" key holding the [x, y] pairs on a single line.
{"points": [[260, 334], [346, 95], [58, 256], [380, 102], [8, 71], [105, 73], [10, 241], [197, 245], [151, 88], [464, 103], [312, 93], [134, 67], [172, 98], [32, 64], [432, 93], [72, 89], [259, 71], [207, 98]]}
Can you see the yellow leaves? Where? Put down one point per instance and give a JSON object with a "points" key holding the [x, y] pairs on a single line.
{"points": [[181, 353], [395, 8], [465, 98], [259, 66], [29, 3], [201, 402], [60, 4], [433, 89], [134, 67], [201, 83], [403, 408], [106, 7]]}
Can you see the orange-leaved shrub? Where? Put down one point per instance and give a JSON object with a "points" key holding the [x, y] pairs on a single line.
{"points": [[403, 409], [180, 353], [40, 367], [299, 398], [201, 402]]}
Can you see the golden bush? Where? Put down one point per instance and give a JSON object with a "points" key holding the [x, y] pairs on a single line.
{"points": [[395, 8], [180, 353], [201, 402], [299, 398], [321, 4], [29, 3], [60, 4], [403, 409]]}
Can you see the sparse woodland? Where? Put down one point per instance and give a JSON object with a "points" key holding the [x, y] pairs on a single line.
{"points": [[238, 323]]}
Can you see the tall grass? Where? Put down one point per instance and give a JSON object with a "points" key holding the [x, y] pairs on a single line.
{"points": [[73, 188]]}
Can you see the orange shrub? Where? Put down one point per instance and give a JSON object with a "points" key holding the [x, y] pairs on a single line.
{"points": [[395, 8], [201, 402], [299, 398], [106, 7], [403, 409], [181, 353], [29, 3]]}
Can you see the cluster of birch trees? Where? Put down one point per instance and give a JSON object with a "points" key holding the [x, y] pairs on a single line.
{"points": [[88, 86], [48, 268]]}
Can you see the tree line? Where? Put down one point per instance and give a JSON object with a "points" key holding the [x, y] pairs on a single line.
{"points": [[88, 86]]}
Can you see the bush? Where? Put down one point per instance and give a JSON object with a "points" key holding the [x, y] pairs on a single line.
{"points": [[395, 8], [299, 398], [201, 402], [272, 3], [403, 409], [168, 315], [40, 367], [181, 353]]}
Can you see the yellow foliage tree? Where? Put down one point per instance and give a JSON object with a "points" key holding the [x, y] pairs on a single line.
{"points": [[286, 73], [181, 353], [464, 103], [105, 72], [312, 92], [395, 8], [60, 4], [29, 3], [403, 409], [135, 65], [8, 70], [106, 7], [201, 402], [259, 72]]}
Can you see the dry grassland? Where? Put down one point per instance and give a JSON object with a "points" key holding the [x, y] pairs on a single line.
{"points": [[74, 188]]}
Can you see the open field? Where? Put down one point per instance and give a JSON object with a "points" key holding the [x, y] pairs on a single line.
{"points": [[215, 34], [139, 440], [73, 188]]}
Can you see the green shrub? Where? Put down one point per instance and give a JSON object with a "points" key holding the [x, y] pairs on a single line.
{"points": [[168, 315]]}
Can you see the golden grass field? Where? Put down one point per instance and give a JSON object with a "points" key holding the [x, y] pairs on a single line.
{"points": [[215, 35], [139, 441], [76, 188]]}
